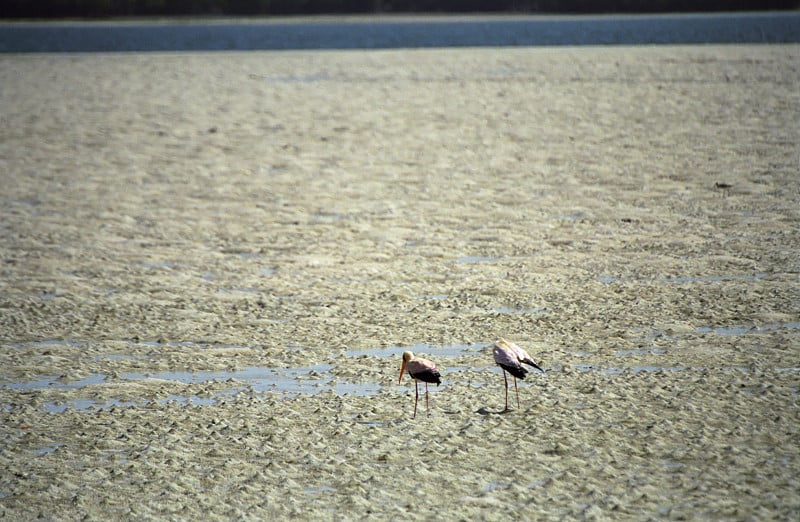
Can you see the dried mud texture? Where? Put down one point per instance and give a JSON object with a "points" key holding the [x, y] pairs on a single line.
{"points": [[212, 262]]}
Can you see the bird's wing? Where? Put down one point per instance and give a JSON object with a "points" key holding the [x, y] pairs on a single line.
{"points": [[424, 370], [504, 356], [523, 356], [419, 364]]}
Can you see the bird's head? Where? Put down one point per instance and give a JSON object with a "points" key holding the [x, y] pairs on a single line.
{"points": [[407, 356]]}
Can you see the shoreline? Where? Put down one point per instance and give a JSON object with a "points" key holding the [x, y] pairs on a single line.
{"points": [[398, 32]]}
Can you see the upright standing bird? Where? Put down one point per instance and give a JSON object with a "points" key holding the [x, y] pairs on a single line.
{"points": [[510, 357], [419, 370]]}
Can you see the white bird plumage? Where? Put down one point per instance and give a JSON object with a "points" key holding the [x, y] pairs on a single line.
{"points": [[510, 358]]}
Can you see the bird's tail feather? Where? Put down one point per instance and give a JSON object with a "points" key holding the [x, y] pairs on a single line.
{"points": [[530, 362]]}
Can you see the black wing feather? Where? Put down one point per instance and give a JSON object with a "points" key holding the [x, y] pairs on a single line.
{"points": [[431, 376], [517, 371]]}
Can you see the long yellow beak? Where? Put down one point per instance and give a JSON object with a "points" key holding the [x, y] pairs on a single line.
{"points": [[402, 369]]}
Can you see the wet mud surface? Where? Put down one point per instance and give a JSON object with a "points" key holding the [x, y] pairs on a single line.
{"points": [[211, 263]]}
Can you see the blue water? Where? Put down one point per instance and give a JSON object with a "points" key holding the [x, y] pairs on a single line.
{"points": [[389, 33]]}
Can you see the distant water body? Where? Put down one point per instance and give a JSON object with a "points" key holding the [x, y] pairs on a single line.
{"points": [[382, 32]]}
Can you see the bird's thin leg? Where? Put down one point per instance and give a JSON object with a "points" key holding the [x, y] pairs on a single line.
{"points": [[427, 407], [517, 390], [505, 379], [416, 398]]}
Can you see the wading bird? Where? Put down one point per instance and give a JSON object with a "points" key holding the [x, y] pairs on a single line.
{"points": [[510, 357], [419, 370]]}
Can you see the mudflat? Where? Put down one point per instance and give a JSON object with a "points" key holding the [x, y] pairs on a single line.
{"points": [[212, 262]]}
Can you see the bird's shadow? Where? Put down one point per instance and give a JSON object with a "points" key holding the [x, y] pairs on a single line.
{"points": [[486, 411]]}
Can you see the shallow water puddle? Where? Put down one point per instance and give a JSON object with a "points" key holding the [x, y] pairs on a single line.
{"points": [[121, 357], [434, 297], [681, 280], [724, 330], [520, 311], [189, 344], [633, 370], [319, 489], [312, 380], [165, 264], [449, 350], [476, 259], [261, 379], [712, 279], [625, 353], [741, 330], [45, 343], [52, 381], [88, 404], [50, 448], [309, 380]]}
